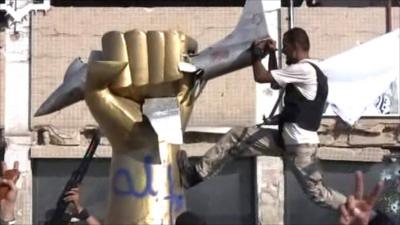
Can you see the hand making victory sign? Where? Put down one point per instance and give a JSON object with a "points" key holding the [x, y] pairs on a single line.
{"points": [[358, 208]]}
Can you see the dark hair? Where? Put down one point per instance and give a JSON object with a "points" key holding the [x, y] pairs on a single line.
{"points": [[299, 37], [189, 218]]}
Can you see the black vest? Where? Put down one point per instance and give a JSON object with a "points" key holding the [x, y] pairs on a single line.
{"points": [[306, 113]]}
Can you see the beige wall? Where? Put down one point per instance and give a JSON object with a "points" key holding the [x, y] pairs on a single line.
{"points": [[65, 33], [334, 30]]}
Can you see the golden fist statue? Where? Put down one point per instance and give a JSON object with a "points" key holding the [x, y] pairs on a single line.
{"points": [[137, 65]]}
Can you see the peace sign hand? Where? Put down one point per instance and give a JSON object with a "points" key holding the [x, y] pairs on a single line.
{"points": [[358, 208]]}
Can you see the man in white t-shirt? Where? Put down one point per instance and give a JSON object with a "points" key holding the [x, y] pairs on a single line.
{"points": [[306, 90]]}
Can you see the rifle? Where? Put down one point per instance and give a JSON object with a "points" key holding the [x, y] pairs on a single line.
{"points": [[58, 217]]}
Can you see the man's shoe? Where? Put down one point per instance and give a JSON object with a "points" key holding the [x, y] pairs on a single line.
{"points": [[188, 173]]}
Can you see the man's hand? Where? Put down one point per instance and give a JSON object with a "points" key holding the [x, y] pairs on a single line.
{"points": [[8, 191], [270, 45], [73, 197], [358, 209], [263, 47]]}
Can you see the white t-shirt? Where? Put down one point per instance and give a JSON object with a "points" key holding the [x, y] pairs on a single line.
{"points": [[304, 77]]}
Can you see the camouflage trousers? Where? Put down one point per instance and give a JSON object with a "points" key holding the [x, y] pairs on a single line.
{"points": [[254, 141]]}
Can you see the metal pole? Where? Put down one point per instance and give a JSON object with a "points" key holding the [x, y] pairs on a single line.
{"points": [[291, 14], [389, 16]]}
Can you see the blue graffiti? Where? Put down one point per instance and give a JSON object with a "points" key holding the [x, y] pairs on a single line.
{"points": [[176, 200], [130, 188]]}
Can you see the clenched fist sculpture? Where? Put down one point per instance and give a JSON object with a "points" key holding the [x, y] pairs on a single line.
{"points": [[134, 66]]}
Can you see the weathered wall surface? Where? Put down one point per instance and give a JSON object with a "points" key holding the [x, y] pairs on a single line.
{"points": [[65, 33], [370, 139], [333, 30]]}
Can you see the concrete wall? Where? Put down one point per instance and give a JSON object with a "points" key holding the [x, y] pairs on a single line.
{"points": [[333, 30], [65, 33]]}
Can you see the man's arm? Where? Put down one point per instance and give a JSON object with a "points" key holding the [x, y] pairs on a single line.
{"points": [[267, 46], [73, 196]]}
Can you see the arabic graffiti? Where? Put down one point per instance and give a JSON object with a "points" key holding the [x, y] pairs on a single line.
{"points": [[176, 200], [130, 189], [122, 175]]}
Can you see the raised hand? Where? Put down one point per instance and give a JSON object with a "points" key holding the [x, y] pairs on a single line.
{"points": [[265, 46], [358, 208], [73, 196], [8, 191]]}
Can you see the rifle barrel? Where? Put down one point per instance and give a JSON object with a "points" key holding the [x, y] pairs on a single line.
{"points": [[75, 179]]}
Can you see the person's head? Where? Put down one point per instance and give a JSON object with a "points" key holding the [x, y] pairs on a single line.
{"points": [[189, 218], [296, 45]]}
